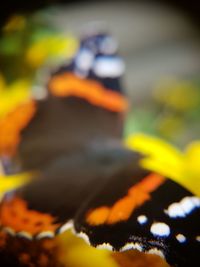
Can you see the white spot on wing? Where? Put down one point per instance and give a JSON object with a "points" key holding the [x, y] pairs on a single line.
{"points": [[84, 60], [181, 238], [187, 205], [66, 227], [160, 229], [108, 46], [142, 219], [198, 238], [84, 237], [25, 235], [45, 234], [183, 208], [175, 210], [109, 67], [9, 230], [106, 246], [156, 251], [196, 201], [130, 246], [39, 92]]}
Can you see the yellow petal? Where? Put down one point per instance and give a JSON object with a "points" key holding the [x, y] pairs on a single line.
{"points": [[80, 254], [161, 157], [154, 147], [12, 182], [14, 94]]}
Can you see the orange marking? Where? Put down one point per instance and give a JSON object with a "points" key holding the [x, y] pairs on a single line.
{"points": [[68, 84], [16, 215], [99, 215], [137, 195], [12, 125]]}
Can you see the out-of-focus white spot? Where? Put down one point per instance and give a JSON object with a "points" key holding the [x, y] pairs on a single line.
{"points": [[184, 207], [142, 219], [66, 227], [106, 246], [108, 46], [84, 237], [39, 92], [130, 246], [9, 230], [198, 238], [181, 238], [160, 229], [84, 60], [108, 67], [45, 234], [25, 235], [175, 210], [156, 251]]}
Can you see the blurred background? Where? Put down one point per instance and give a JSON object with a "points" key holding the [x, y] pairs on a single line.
{"points": [[159, 40]]}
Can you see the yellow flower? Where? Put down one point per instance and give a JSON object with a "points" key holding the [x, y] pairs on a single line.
{"points": [[14, 94], [52, 46], [161, 157], [11, 182], [76, 253], [179, 95]]}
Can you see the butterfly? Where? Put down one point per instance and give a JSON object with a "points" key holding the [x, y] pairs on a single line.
{"points": [[87, 180]]}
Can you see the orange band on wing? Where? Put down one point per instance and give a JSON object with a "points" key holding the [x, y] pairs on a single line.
{"points": [[12, 124], [68, 84], [16, 215], [123, 208]]}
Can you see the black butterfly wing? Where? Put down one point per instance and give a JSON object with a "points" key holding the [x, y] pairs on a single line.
{"points": [[47, 205], [164, 222]]}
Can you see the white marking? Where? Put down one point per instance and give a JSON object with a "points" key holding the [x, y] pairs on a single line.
{"points": [[66, 227], [196, 201], [156, 251], [130, 246], [108, 67], [160, 229], [25, 235], [9, 231], [84, 60], [142, 219], [181, 238], [84, 237], [39, 92], [106, 246], [198, 238], [108, 46], [45, 234], [175, 210], [183, 208], [187, 205]]}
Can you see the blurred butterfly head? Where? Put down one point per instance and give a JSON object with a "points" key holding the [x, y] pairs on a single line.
{"points": [[96, 59], [90, 85]]}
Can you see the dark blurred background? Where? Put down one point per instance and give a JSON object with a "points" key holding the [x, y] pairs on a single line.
{"points": [[191, 7]]}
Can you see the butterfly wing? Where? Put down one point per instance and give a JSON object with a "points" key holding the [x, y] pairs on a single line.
{"points": [[144, 211], [78, 108], [64, 126], [50, 201]]}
